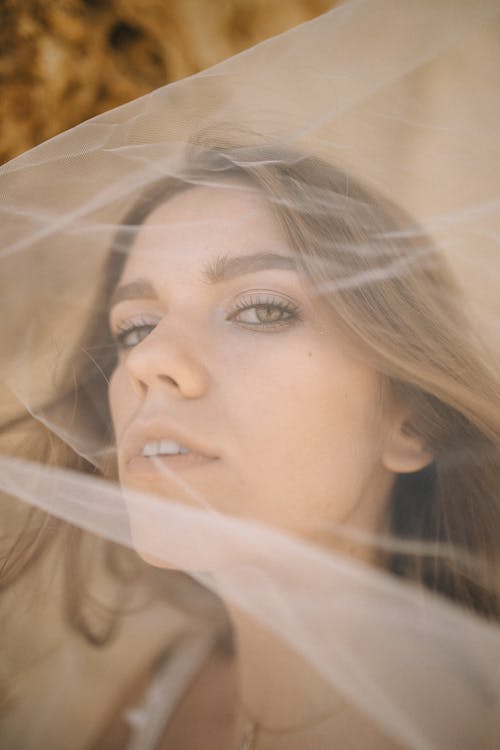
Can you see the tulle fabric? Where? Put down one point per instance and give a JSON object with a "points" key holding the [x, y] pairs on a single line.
{"points": [[422, 671], [400, 97]]}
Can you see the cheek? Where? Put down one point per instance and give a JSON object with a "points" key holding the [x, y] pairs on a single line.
{"points": [[310, 415], [311, 451]]}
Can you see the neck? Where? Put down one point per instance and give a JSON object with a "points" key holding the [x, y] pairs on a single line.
{"points": [[278, 689]]}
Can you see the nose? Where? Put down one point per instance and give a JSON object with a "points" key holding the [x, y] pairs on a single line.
{"points": [[167, 359]]}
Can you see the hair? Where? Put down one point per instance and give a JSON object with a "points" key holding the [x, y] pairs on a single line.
{"points": [[390, 292]]}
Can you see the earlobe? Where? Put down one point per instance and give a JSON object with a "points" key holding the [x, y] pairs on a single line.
{"points": [[404, 450]]}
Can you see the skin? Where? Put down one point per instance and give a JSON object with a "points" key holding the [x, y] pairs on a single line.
{"points": [[295, 418]]}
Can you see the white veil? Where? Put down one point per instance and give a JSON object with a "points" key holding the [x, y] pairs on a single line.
{"points": [[372, 129]]}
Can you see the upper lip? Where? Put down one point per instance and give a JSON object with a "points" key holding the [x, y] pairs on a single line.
{"points": [[139, 433]]}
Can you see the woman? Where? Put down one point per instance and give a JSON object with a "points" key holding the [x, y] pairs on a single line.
{"points": [[292, 378], [242, 287]]}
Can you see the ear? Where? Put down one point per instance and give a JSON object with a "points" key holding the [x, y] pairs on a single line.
{"points": [[404, 451]]}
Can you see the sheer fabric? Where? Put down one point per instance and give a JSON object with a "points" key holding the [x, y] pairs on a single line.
{"points": [[228, 595]]}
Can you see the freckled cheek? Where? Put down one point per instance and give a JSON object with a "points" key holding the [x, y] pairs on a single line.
{"points": [[278, 406], [308, 408]]}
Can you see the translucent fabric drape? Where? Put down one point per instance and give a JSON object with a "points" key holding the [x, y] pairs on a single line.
{"points": [[367, 139]]}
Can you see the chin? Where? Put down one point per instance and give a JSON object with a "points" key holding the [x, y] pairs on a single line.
{"points": [[166, 537], [142, 537]]}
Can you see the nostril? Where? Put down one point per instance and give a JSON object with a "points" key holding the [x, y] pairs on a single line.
{"points": [[168, 379]]}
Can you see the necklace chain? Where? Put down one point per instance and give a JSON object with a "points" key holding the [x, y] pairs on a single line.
{"points": [[249, 736], [250, 731]]}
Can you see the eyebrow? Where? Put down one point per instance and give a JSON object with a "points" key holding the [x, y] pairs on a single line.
{"points": [[139, 289], [223, 268]]}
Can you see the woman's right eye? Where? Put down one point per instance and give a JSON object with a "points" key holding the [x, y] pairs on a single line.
{"points": [[131, 335]]}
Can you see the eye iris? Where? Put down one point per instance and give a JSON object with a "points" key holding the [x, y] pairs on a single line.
{"points": [[268, 313], [134, 335]]}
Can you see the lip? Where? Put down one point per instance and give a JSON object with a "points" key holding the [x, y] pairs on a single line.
{"points": [[161, 465], [141, 432]]}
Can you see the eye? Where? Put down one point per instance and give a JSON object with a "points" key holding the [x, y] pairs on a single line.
{"points": [[131, 333], [265, 312]]}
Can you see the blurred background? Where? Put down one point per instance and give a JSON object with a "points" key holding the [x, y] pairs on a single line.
{"points": [[63, 61]]}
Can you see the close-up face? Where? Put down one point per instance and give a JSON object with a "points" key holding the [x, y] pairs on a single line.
{"points": [[232, 390]]}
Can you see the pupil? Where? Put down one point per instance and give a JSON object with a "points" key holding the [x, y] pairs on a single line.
{"points": [[268, 314]]}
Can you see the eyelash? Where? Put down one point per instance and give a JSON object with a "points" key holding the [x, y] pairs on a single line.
{"points": [[287, 308]]}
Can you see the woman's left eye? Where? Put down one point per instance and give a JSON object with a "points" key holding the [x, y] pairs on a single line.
{"points": [[265, 313], [131, 334]]}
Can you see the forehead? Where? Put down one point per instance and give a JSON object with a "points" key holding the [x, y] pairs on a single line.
{"points": [[202, 222]]}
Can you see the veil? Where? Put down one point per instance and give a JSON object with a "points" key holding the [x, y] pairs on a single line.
{"points": [[249, 408]]}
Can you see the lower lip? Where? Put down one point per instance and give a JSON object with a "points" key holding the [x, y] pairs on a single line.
{"points": [[154, 464]]}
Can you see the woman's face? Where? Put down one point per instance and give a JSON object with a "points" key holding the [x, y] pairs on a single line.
{"points": [[231, 389]]}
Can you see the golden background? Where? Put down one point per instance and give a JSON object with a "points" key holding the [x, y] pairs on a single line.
{"points": [[63, 61]]}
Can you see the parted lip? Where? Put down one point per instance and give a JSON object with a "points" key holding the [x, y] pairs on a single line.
{"points": [[141, 432]]}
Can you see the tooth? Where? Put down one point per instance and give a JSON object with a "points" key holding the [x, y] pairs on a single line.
{"points": [[164, 447], [150, 449], [168, 446]]}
